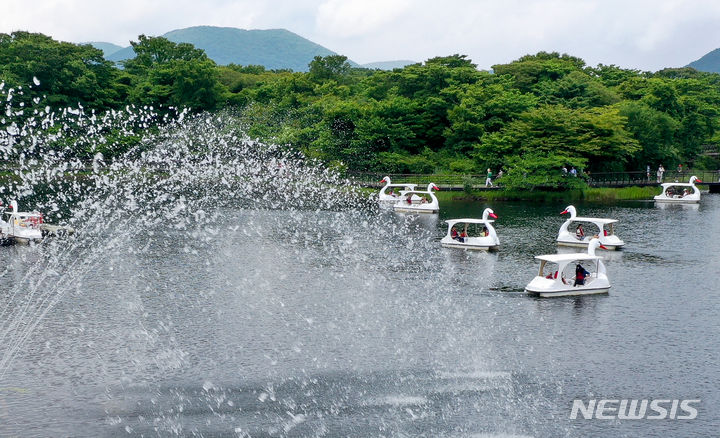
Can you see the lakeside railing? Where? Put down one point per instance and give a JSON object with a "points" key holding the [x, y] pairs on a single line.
{"points": [[372, 179], [611, 179], [604, 179], [477, 181]]}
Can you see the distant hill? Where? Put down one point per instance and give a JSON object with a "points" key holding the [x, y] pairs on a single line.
{"points": [[388, 65], [709, 62], [273, 48], [107, 48]]}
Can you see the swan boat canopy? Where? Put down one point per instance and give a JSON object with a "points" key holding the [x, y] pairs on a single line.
{"points": [[570, 274], [392, 196], [408, 203], [572, 233], [484, 237], [20, 227], [680, 193]]}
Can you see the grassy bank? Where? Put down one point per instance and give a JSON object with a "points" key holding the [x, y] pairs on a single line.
{"points": [[588, 194]]}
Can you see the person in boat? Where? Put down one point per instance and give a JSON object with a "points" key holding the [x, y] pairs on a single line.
{"points": [[454, 234], [670, 192], [463, 236], [392, 193], [580, 275], [552, 276], [484, 232], [423, 200], [685, 192], [579, 232], [409, 199]]}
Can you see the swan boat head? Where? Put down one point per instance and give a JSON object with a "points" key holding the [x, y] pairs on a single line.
{"points": [[593, 245], [488, 213], [570, 210]]}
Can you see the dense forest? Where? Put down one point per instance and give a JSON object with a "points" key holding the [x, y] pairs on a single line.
{"points": [[530, 117]]}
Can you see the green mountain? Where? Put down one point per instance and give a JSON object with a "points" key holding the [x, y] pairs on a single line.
{"points": [[107, 48], [388, 65], [273, 48], [709, 62]]}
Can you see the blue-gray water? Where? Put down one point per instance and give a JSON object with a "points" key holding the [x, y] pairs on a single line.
{"points": [[317, 323]]}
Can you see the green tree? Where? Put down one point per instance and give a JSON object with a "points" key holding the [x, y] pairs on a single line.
{"points": [[68, 74], [154, 51], [655, 132], [540, 170], [577, 89], [170, 74], [612, 75], [531, 70], [483, 107], [323, 68], [596, 135], [453, 61]]}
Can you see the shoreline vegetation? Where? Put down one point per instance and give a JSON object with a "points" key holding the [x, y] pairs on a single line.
{"points": [[529, 118], [590, 194]]}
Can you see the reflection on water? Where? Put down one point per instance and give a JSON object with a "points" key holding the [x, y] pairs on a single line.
{"points": [[334, 323], [608, 256], [677, 206], [222, 287]]}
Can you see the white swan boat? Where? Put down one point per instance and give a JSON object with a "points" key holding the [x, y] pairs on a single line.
{"points": [[680, 193], [20, 227], [483, 239], [409, 204], [572, 232], [562, 274], [392, 196]]}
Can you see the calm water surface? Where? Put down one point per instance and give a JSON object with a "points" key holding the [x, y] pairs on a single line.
{"points": [[276, 323]]}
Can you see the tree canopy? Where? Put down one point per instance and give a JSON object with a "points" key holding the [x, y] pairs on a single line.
{"points": [[530, 117]]}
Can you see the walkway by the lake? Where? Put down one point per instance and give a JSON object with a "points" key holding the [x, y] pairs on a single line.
{"points": [[711, 178]]}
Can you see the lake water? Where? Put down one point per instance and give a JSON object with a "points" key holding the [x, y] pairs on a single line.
{"points": [[355, 323]]}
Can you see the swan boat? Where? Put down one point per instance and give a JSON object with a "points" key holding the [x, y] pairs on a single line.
{"points": [[386, 197], [487, 240], [557, 276], [680, 193], [578, 238], [408, 203], [20, 227]]}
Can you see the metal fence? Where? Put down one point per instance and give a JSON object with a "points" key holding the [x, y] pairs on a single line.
{"points": [[605, 179], [370, 179], [610, 179]]}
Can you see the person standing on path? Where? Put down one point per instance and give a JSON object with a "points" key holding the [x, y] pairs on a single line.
{"points": [[660, 173], [488, 180]]}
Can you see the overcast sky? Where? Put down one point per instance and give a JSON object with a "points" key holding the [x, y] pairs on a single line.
{"points": [[640, 34]]}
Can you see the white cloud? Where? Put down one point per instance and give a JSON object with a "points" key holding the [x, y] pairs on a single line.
{"points": [[119, 22], [348, 18], [644, 34]]}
